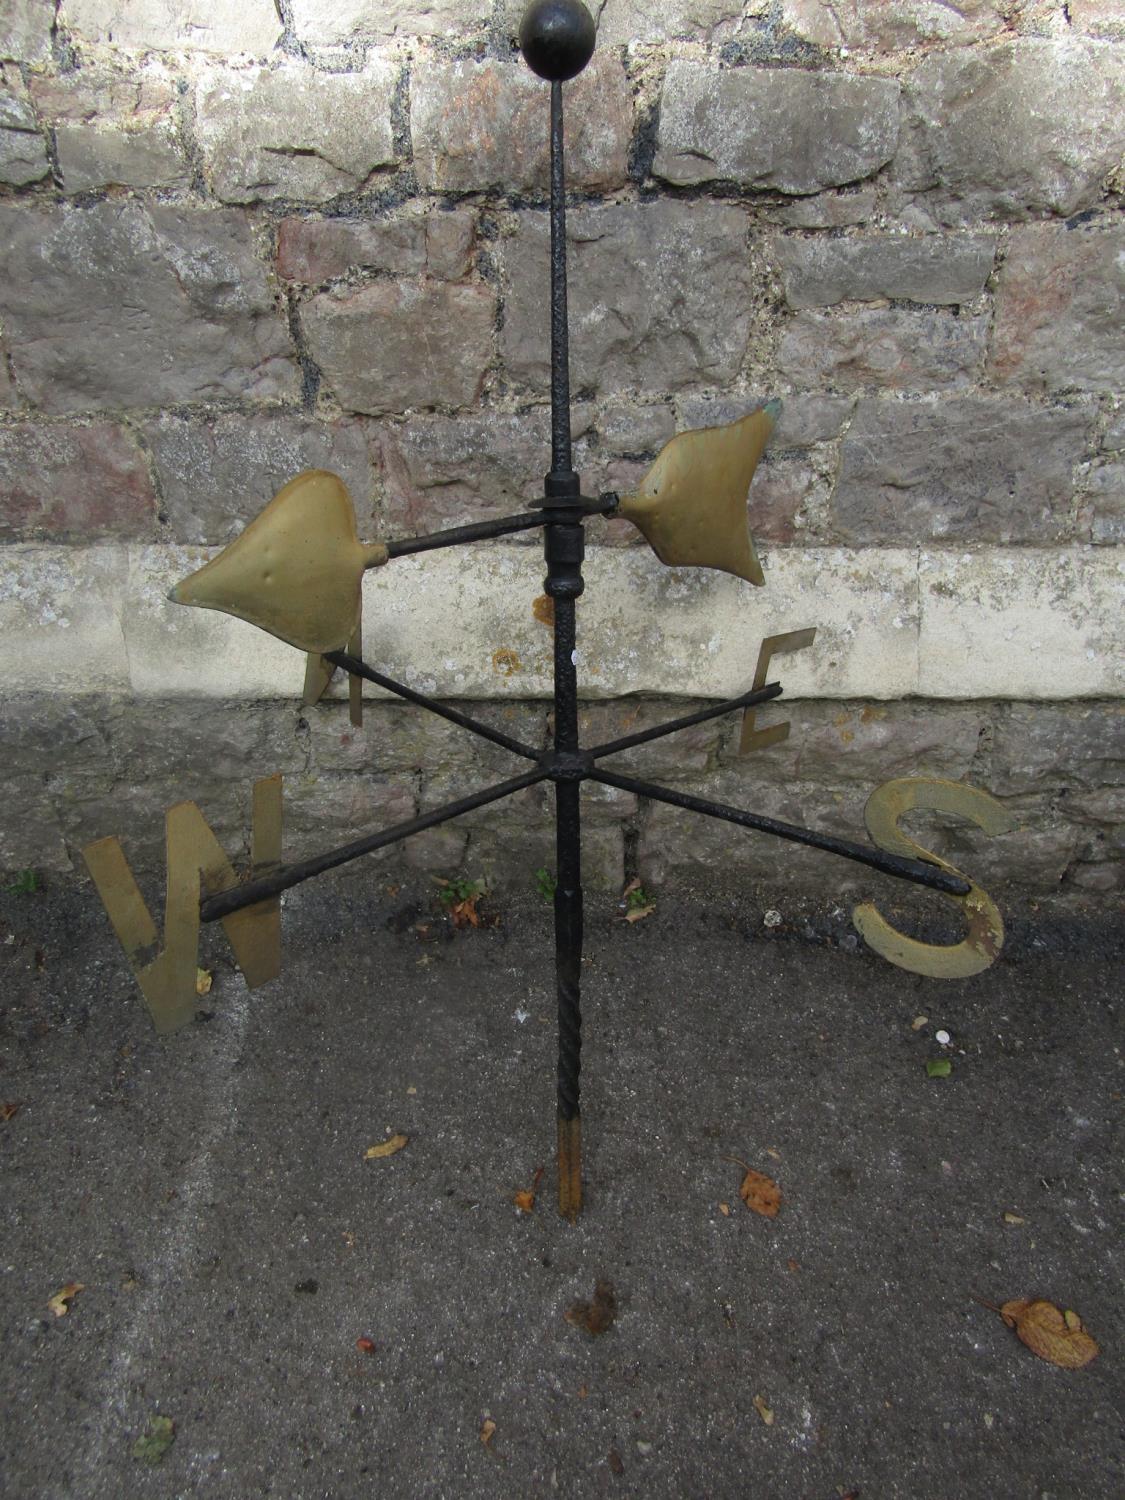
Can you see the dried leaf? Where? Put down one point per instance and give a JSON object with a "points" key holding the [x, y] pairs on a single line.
{"points": [[58, 1303], [386, 1148], [8, 1110], [724, 1209], [158, 1438], [939, 1067], [525, 1200], [203, 981], [918, 1022], [763, 1411], [365, 1346], [638, 913], [1010, 1218], [1053, 1335], [487, 1431], [759, 1192], [598, 1314], [634, 885]]}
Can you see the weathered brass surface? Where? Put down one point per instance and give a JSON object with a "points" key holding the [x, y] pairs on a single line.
{"points": [[355, 683], [195, 861], [691, 506], [296, 571], [985, 936], [773, 645], [318, 678]]}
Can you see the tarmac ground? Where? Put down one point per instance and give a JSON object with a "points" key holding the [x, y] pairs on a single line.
{"points": [[211, 1193]]}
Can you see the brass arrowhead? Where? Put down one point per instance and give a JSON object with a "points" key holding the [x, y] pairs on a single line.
{"points": [[691, 506], [296, 571]]}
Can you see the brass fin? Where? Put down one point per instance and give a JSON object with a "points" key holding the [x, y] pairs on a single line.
{"points": [[296, 571], [691, 506], [355, 684], [318, 678]]}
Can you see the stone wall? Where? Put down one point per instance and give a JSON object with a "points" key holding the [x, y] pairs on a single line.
{"points": [[245, 239]]}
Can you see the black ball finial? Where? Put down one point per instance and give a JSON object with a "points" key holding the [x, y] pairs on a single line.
{"points": [[557, 38]]}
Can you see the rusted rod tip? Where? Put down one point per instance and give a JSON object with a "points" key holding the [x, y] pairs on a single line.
{"points": [[570, 1167]]}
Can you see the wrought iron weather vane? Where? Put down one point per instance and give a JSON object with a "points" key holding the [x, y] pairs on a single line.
{"points": [[297, 572]]}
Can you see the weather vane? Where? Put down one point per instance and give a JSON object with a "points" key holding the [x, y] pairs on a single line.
{"points": [[297, 572]]}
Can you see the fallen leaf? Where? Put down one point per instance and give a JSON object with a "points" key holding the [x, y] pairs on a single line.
{"points": [[1053, 1335], [365, 1346], [598, 1314], [58, 1303], [763, 1411], [634, 885], [412, 1090], [794, 1265], [638, 913], [775, 1154], [615, 1462], [939, 1067], [203, 981], [1013, 1219], [759, 1192], [8, 1110], [487, 1431], [525, 1200], [158, 1438], [386, 1148], [724, 1209], [918, 1022], [583, 1392]]}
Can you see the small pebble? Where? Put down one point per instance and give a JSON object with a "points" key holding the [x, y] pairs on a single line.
{"points": [[942, 1038], [772, 919]]}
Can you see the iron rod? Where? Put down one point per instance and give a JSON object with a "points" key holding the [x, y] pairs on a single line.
{"points": [[748, 699], [359, 668], [212, 908], [457, 536], [561, 452], [915, 870]]}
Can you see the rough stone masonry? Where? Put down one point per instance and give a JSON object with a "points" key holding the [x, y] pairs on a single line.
{"points": [[241, 239]]}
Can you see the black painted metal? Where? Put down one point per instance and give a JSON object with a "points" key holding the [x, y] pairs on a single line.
{"points": [[557, 38], [561, 484], [211, 908], [713, 711], [915, 870], [457, 536], [359, 668]]}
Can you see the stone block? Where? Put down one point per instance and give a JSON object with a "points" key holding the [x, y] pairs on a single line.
{"points": [[204, 743], [394, 345], [804, 420], [25, 30], [787, 498], [660, 297], [312, 251], [973, 468], [224, 26], [683, 754], [621, 22], [294, 132], [74, 483], [216, 472], [329, 22], [891, 25], [123, 305], [480, 126], [890, 348], [448, 471], [832, 210], [324, 811], [23, 151], [1031, 125], [1047, 747], [1103, 504], [725, 125], [1101, 18], [937, 268], [1058, 311], [8, 393], [113, 129], [31, 834], [397, 738]]}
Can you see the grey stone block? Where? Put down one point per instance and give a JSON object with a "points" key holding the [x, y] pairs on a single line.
{"points": [[716, 125], [96, 156], [1103, 504], [74, 483], [226, 26], [395, 345], [890, 348], [1042, 747], [327, 22], [483, 125], [660, 297], [946, 269], [869, 25], [1058, 311], [826, 210], [1031, 125], [25, 30], [294, 132], [23, 152], [973, 468], [624, 21], [123, 305], [313, 251], [112, 128], [217, 472]]}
